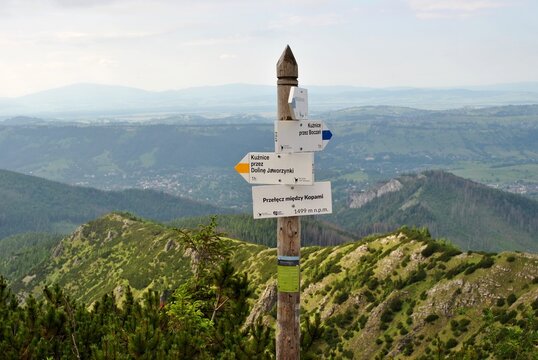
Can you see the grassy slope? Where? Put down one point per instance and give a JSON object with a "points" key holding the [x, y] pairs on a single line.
{"points": [[351, 286], [113, 251]]}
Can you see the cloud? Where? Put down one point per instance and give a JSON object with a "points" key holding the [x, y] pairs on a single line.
{"points": [[211, 41], [432, 9], [25, 7], [88, 36], [84, 3], [227, 56], [107, 62], [311, 21]]}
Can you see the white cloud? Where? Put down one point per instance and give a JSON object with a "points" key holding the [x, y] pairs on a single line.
{"points": [[211, 41], [431, 9], [83, 3], [107, 62], [227, 56], [88, 36], [311, 21]]}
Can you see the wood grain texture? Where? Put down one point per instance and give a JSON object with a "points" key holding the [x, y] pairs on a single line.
{"points": [[288, 228]]}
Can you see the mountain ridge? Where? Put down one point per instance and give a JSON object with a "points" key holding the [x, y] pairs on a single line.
{"points": [[398, 295], [87, 98], [30, 204], [471, 215]]}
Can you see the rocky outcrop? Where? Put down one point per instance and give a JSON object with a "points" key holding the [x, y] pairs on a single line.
{"points": [[265, 303], [368, 335], [111, 235], [171, 244], [361, 199], [58, 250]]}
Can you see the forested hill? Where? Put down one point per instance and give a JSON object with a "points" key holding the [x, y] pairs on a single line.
{"points": [[314, 231], [469, 214], [400, 295], [29, 203]]}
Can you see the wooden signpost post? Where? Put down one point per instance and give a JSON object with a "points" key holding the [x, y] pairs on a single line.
{"points": [[294, 194], [288, 232]]}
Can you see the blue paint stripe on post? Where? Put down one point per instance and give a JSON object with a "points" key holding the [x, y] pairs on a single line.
{"points": [[288, 258], [326, 135]]}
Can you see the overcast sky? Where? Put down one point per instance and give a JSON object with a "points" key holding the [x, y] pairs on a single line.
{"points": [[174, 44]]}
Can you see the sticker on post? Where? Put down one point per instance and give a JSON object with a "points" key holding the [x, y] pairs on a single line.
{"points": [[288, 278], [273, 201], [298, 103]]}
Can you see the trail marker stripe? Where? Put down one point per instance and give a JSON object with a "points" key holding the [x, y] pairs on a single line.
{"points": [[242, 168]]}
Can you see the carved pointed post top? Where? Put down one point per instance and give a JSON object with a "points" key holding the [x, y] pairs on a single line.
{"points": [[287, 72], [287, 69]]}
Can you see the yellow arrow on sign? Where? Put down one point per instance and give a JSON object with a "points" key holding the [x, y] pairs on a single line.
{"points": [[242, 168]]}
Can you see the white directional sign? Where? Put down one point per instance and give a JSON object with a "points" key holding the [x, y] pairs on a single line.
{"points": [[273, 168], [298, 102], [278, 200], [301, 136]]}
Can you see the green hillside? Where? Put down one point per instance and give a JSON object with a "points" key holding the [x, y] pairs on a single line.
{"points": [[114, 251], [469, 214], [473, 216], [406, 296], [23, 253], [32, 204], [401, 295]]}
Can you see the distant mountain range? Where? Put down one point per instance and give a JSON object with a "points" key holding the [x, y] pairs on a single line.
{"points": [[93, 100]]}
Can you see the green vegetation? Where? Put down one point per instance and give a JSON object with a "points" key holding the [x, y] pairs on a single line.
{"points": [[202, 320], [376, 298], [107, 254], [21, 254], [31, 204], [472, 216], [516, 339], [498, 174], [263, 232], [96, 292]]}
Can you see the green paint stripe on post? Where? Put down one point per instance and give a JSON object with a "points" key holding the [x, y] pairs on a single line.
{"points": [[288, 278]]}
